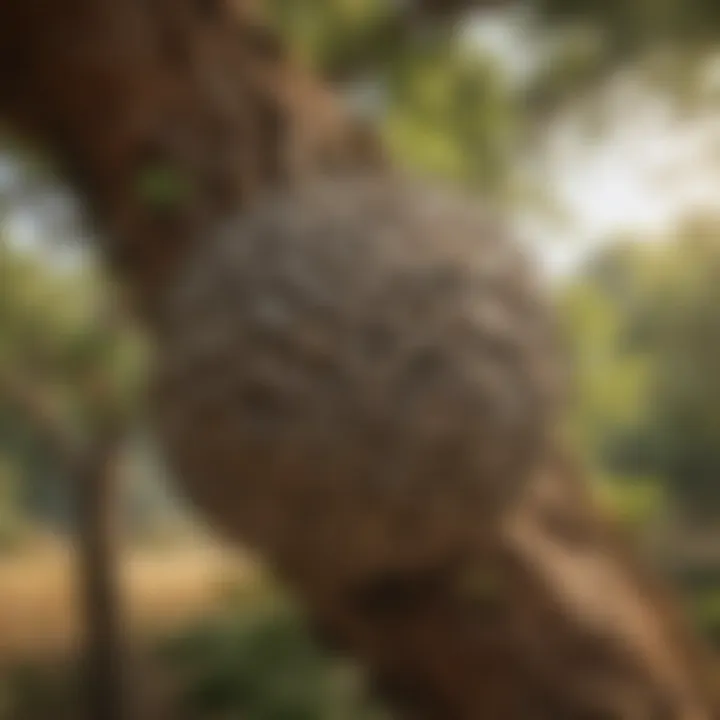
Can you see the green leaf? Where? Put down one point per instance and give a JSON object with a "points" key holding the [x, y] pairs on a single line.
{"points": [[163, 186]]}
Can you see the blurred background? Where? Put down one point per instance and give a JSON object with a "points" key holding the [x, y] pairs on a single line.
{"points": [[594, 123]]}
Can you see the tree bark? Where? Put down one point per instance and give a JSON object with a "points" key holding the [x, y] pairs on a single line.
{"points": [[98, 570], [169, 116]]}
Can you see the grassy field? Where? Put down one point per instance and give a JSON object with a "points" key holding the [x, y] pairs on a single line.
{"points": [[161, 590]]}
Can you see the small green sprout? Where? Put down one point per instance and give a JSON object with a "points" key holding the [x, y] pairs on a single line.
{"points": [[163, 186]]}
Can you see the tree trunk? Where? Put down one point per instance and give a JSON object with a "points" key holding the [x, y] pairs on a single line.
{"points": [[104, 654], [172, 115], [90, 475]]}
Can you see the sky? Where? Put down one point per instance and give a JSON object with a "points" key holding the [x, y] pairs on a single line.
{"points": [[648, 168], [651, 169]]}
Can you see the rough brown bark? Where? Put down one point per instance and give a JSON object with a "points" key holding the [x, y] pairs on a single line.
{"points": [[543, 613], [195, 95]]}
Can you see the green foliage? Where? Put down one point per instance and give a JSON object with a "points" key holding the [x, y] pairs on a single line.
{"points": [[646, 329], [446, 109], [475, 114], [13, 525], [634, 502], [160, 186], [685, 335], [451, 116], [705, 609], [611, 382], [631, 27], [33, 691], [52, 329], [338, 37], [260, 662], [666, 43], [56, 343]]}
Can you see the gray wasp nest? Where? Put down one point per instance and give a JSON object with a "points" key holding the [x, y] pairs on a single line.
{"points": [[355, 375]]}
